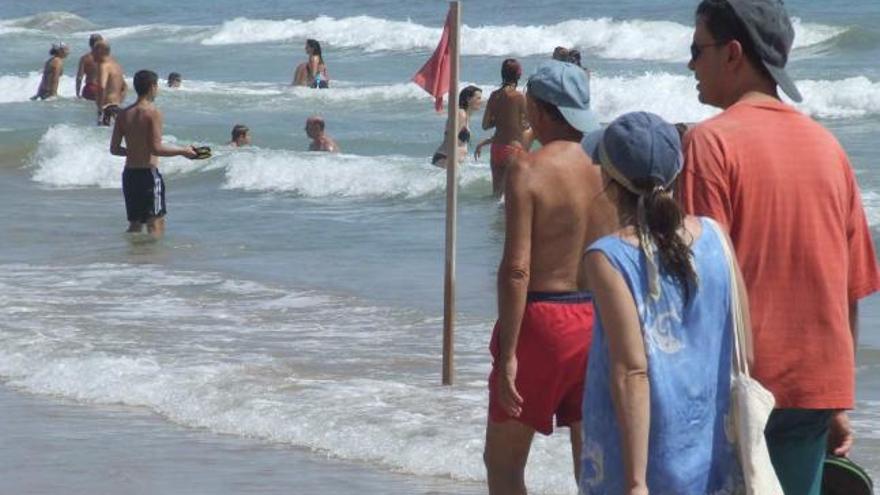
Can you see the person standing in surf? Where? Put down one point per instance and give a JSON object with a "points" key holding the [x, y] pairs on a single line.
{"points": [[321, 141], [506, 113], [783, 187], [52, 71], [553, 208], [88, 69], [111, 84], [143, 187], [313, 72], [470, 99]]}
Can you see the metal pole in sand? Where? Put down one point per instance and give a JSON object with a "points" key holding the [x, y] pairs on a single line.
{"points": [[451, 199]]}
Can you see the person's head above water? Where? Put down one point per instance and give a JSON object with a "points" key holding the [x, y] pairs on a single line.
{"points": [[241, 135], [314, 48], [174, 80], [146, 84], [574, 56], [94, 38], [315, 126], [511, 71], [469, 98], [101, 50], [59, 50], [741, 46], [558, 101]]}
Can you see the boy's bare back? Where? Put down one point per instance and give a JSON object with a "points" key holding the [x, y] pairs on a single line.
{"points": [[139, 125]]}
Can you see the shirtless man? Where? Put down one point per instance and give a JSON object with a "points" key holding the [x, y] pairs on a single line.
{"points": [[554, 208], [52, 71], [506, 112], [321, 141], [111, 84], [142, 185], [88, 68], [241, 136]]}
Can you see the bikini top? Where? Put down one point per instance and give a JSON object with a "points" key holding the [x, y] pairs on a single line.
{"points": [[464, 135]]}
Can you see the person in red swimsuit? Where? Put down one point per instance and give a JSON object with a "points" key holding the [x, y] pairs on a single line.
{"points": [[506, 112]]}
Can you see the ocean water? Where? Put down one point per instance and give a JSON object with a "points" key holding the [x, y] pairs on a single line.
{"points": [[296, 300]]}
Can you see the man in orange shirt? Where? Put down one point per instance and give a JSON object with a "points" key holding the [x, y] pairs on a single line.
{"points": [[784, 188]]}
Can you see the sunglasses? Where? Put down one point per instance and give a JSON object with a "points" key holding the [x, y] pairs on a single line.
{"points": [[697, 50]]}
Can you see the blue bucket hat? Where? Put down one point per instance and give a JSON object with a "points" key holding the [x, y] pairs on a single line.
{"points": [[565, 86], [636, 146]]}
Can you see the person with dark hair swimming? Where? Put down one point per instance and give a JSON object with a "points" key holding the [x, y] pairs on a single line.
{"points": [[241, 136], [313, 72], [52, 71], [140, 125], [174, 80], [88, 69], [506, 112], [469, 101], [321, 141]]}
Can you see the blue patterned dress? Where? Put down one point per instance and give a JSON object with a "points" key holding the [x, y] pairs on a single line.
{"points": [[688, 347]]}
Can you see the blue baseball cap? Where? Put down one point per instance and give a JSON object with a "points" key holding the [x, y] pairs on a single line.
{"points": [[565, 86], [637, 145]]}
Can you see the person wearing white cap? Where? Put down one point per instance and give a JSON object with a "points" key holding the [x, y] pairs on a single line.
{"points": [[784, 188], [553, 207], [52, 72]]}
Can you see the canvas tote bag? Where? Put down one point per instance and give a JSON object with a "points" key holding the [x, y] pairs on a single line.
{"points": [[750, 403]]}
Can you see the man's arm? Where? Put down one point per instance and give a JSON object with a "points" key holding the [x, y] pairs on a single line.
{"points": [[513, 279], [159, 149], [630, 387], [103, 76], [116, 147], [80, 73]]}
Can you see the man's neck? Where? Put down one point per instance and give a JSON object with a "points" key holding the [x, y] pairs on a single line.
{"points": [[143, 101], [561, 133], [754, 90]]}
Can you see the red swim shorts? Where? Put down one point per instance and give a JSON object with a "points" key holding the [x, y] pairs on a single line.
{"points": [[554, 340], [90, 91]]}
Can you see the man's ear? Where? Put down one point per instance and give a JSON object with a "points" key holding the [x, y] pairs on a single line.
{"points": [[735, 52]]}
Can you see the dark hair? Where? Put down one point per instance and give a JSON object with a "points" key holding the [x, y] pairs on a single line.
{"points": [[664, 219], [466, 94], [316, 48], [511, 71], [144, 80], [94, 39], [174, 76], [574, 56], [318, 120], [560, 53], [239, 130], [724, 25]]}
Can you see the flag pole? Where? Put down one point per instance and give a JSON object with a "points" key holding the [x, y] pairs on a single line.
{"points": [[451, 198]]}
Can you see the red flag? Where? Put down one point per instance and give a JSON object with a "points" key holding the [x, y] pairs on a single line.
{"points": [[433, 77]]}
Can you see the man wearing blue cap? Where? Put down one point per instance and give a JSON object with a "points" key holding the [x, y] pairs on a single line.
{"points": [[540, 342], [784, 188]]}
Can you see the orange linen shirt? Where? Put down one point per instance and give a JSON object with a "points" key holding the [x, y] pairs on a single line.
{"points": [[785, 190]]}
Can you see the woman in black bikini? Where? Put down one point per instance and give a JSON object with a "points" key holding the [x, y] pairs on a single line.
{"points": [[470, 100]]}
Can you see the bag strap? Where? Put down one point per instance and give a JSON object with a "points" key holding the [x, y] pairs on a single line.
{"points": [[740, 361]]}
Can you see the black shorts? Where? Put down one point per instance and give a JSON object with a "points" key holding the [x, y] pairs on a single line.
{"points": [[144, 192], [108, 115]]}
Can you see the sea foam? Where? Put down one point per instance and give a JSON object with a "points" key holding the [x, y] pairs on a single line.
{"points": [[603, 37]]}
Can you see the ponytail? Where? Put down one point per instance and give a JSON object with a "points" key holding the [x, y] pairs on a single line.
{"points": [[659, 220]]}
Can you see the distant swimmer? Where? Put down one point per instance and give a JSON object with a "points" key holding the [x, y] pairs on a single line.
{"points": [[140, 125], [506, 112], [470, 99], [321, 141], [111, 84], [88, 69], [241, 136], [313, 72], [175, 80], [52, 71]]}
